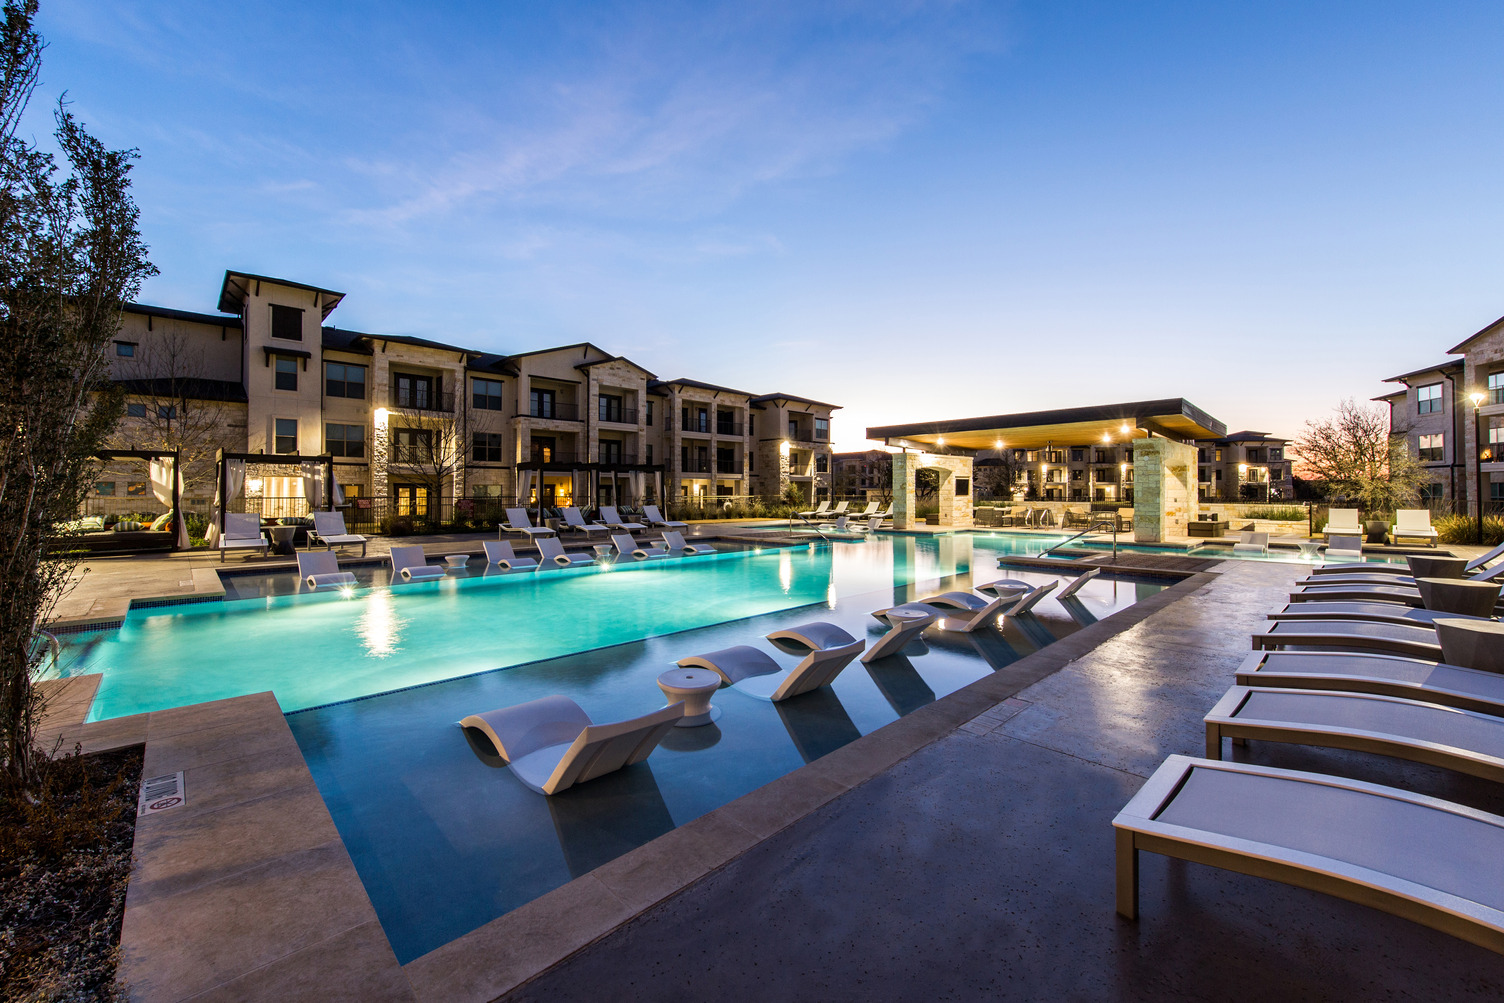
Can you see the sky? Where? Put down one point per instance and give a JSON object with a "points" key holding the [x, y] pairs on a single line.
{"points": [[914, 210]]}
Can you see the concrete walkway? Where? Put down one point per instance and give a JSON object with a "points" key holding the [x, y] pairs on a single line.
{"points": [[982, 865]]}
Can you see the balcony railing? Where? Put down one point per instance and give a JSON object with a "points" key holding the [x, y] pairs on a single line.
{"points": [[618, 415], [728, 467], [694, 465], [618, 459], [554, 456], [421, 400], [554, 410], [700, 425], [728, 428]]}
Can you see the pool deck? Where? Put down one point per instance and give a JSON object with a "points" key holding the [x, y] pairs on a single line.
{"points": [[963, 850]]}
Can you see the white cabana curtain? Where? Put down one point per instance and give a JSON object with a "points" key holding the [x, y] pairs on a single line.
{"points": [[581, 481], [234, 480], [161, 486], [313, 484], [637, 479], [524, 486]]}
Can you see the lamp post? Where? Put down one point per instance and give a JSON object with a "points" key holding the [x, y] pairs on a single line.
{"points": [[1478, 398]]}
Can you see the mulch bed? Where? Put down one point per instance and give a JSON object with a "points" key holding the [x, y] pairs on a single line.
{"points": [[65, 858]]}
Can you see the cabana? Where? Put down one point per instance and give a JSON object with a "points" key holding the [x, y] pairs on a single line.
{"points": [[96, 531], [274, 486]]}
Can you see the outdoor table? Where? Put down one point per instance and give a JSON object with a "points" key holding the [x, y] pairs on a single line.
{"points": [[1436, 566], [1472, 644], [695, 687], [456, 560], [281, 537], [603, 552], [1458, 595], [1309, 548]]}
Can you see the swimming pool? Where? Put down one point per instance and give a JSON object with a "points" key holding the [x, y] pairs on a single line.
{"points": [[445, 839]]}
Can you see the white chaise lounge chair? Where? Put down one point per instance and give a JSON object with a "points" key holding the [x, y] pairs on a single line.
{"points": [[1342, 522], [655, 519], [739, 664], [518, 522], [329, 529], [674, 541], [552, 552], [1413, 524], [242, 532], [550, 744], [610, 517], [1002, 586], [627, 547], [576, 522], [842, 526], [1412, 640], [1251, 543], [815, 513], [907, 624], [1387, 675], [979, 612], [410, 563], [1460, 740], [499, 553], [1407, 854], [1475, 564], [319, 569], [1077, 583]]}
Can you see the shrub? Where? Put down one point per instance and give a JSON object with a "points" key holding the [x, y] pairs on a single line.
{"points": [[1464, 529], [397, 525], [1279, 513]]}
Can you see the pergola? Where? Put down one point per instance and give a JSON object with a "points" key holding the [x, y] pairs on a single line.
{"points": [[229, 481]]}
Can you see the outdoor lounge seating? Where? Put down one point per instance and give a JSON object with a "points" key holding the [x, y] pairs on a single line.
{"points": [[815, 513], [627, 547], [614, 521], [1388, 675], [574, 521], [1414, 856], [739, 664], [1396, 569], [977, 612], [1344, 548], [518, 522], [1383, 612], [319, 569], [550, 744], [1422, 732], [655, 519], [242, 532], [410, 563], [1416, 641], [1413, 524], [1342, 522], [843, 525], [499, 553], [1077, 583], [1251, 543], [674, 541], [551, 551], [907, 624], [329, 529]]}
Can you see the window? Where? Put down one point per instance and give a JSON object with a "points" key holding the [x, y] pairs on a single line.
{"points": [[285, 435], [485, 490], [822, 463], [486, 394], [168, 411], [1431, 447], [822, 429], [135, 410], [287, 374], [344, 380], [1078, 455], [1077, 475], [1430, 494], [1255, 456], [1495, 438], [649, 448], [543, 448], [793, 429], [963, 486], [610, 451], [1496, 491], [104, 489], [411, 445], [136, 489], [486, 447], [416, 392], [650, 418], [353, 491], [1428, 399], [345, 440], [287, 323], [609, 407], [541, 403], [1496, 388], [125, 349]]}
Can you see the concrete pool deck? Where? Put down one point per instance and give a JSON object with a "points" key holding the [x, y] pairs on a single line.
{"points": [[963, 849]]}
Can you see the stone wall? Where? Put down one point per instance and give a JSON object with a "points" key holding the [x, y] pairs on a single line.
{"points": [[1164, 489], [955, 507]]}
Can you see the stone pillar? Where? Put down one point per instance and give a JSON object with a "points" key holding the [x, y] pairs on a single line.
{"points": [[904, 501], [1164, 488], [956, 493], [380, 453]]}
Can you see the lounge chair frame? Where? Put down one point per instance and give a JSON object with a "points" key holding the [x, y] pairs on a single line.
{"points": [[1386, 675]]}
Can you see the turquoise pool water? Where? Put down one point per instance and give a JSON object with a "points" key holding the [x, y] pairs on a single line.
{"points": [[312, 649]]}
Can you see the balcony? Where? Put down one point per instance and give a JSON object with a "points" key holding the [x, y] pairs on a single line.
{"points": [[700, 426], [728, 467], [553, 410], [421, 401], [617, 416], [729, 428], [555, 457], [694, 465], [618, 459]]}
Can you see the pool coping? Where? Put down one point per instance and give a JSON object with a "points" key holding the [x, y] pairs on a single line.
{"points": [[511, 950]]}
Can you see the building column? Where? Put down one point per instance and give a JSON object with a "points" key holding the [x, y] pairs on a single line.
{"points": [[905, 465], [1164, 488]]}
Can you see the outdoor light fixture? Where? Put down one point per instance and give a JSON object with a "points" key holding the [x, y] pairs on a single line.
{"points": [[939, 440], [1125, 430], [1106, 436], [254, 485], [381, 414], [1242, 469]]}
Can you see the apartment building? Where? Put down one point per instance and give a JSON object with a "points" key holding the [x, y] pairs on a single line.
{"points": [[1452, 417], [410, 420]]}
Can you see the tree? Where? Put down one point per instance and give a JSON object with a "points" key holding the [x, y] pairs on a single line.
{"points": [[1359, 459], [995, 476], [431, 447], [70, 256], [168, 385]]}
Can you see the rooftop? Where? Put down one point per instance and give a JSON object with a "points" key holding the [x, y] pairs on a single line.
{"points": [[1174, 417]]}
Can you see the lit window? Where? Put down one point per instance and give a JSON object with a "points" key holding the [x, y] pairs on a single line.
{"points": [[104, 489], [136, 489]]}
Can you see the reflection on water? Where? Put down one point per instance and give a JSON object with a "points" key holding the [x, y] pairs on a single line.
{"points": [[599, 821], [817, 723], [900, 683], [379, 627]]}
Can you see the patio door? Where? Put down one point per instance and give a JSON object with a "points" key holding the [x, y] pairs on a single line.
{"points": [[411, 499]]}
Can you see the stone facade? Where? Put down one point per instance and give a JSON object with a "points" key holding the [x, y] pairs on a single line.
{"points": [[1164, 474], [955, 495]]}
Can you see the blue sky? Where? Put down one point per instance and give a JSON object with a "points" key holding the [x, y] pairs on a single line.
{"points": [[916, 210]]}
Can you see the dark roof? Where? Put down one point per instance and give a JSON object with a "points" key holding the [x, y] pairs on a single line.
{"points": [[188, 389], [350, 341], [1443, 366], [681, 381], [337, 340], [764, 398], [560, 348], [1247, 436], [1457, 348], [1389, 397], [232, 304], [490, 362], [1187, 416], [216, 319]]}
